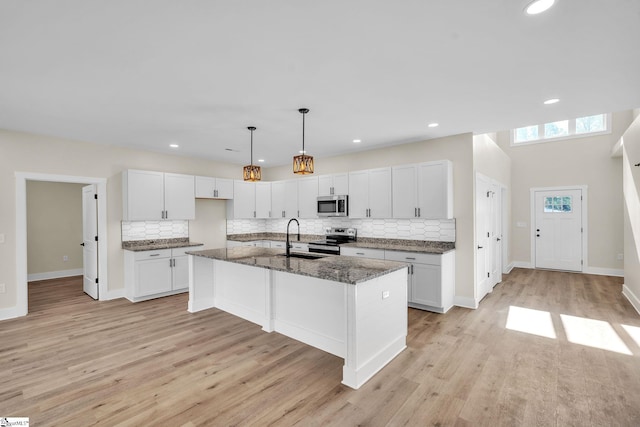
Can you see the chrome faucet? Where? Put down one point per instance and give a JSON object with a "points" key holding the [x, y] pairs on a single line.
{"points": [[288, 245]]}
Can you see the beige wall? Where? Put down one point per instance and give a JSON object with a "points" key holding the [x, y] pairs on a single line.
{"points": [[577, 161], [210, 225], [54, 226], [631, 178], [458, 149], [21, 152]]}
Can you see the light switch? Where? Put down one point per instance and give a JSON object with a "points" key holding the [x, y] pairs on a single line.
{"points": [[385, 294], [521, 224]]}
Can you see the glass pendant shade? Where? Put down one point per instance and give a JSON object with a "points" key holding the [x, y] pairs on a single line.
{"points": [[251, 172], [303, 164]]}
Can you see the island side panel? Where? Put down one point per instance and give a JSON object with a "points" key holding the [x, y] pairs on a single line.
{"points": [[376, 326], [242, 291], [311, 310], [200, 283]]}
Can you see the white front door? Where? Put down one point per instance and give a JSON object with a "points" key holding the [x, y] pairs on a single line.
{"points": [[90, 241], [558, 229]]}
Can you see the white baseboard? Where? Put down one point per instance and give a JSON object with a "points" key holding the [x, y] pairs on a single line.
{"points": [[508, 268], [605, 271], [633, 299], [113, 294], [465, 302], [10, 313], [54, 274], [522, 264]]}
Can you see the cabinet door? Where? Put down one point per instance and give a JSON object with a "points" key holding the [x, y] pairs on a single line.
{"points": [[404, 181], [380, 193], [152, 276], [244, 199], [224, 187], [358, 194], [180, 272], [263, 199], [308, 197], [144, 195], [426, 285], [435, 190], [291, 198], [341, 184], [205, 187], [325, 184], [277, 199], [179, 196]]}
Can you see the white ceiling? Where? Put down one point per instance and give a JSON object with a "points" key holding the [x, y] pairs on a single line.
{"points": [[145, 74]]}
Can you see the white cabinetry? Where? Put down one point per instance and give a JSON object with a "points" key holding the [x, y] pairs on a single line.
{"points": [[308, 197], [336, 184], [423, 190], [362, 252], [263, 200], [284, 199], [370, 193], [152, 274], [243, 204], [213, 188], [431, 279], [148, 195]]}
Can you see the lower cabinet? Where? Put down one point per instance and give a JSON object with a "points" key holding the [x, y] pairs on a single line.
{"points": [[431, 283], [362, 252], [152, 274]]}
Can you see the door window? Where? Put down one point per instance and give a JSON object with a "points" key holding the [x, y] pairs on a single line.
{"points": [[558, 204]]}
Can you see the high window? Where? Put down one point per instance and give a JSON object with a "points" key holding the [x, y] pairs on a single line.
{"points": [[582, 126]]}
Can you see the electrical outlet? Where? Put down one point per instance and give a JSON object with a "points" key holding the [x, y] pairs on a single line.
{"points": [[385, 294], [3, 288], [620, 257], [65, 258]]}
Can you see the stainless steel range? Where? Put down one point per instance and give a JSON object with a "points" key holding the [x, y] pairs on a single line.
{"points": [[332, 240]]}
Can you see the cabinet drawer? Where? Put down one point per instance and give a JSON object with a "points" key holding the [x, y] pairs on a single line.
{"points": [[413, 257], [300, 247], [277, 244], [362, 252], [145, 255]]}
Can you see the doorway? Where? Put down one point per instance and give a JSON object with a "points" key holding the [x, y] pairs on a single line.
{"points": [[489, 239], [21, 231], [559, 228]]}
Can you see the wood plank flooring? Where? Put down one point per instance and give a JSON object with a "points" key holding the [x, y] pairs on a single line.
{"points": [[78, 362]]}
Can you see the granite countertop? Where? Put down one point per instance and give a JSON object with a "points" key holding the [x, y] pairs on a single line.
{"points": [[342, 269], [154, 245], [281, 237], [424, 246]]}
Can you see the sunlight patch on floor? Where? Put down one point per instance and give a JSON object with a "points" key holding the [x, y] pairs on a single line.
{"points": [[530, 321], [634, 333], [593, 333]]}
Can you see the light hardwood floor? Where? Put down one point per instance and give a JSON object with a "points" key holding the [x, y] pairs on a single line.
{"points": [[78, 362]]}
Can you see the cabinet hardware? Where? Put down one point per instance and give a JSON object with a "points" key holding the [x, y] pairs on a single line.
{"points": [[411, 268], [410, 258], [419, 214], [359, 253], [254, 214], [215, 193], [154, 255], [166, 214], [415, 212]]}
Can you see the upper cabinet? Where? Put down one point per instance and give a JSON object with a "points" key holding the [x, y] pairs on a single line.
{"points": [[213, 188], [148, 195], [423, 190], [370, 193], [263, 199], [284, 199], [243, 204], [308, 197], [336, 184]]}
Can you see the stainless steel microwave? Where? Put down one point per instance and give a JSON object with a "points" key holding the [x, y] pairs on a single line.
{"points": [[333, 206]]}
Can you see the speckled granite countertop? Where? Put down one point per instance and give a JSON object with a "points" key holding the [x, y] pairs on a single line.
{"points": [[281, 237], [154, 245], [425, 246], [342, 269]]}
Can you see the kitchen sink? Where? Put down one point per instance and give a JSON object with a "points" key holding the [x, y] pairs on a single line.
{"points": [[304, 255]]}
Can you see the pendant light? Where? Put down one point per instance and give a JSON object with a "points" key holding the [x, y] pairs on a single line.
{"points": [[252, 172], [303, 164]]}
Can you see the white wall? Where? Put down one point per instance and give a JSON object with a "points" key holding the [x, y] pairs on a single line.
{"points": [[576, 161], [21, 152], [458, 149], [631, 188]]}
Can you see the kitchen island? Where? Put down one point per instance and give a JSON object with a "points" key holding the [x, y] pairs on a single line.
{"points": [[353, 308]]}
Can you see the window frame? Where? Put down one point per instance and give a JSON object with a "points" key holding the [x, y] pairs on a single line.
{"points": [[572, 131]]}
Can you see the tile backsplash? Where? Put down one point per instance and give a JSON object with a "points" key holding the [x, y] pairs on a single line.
{"points": [[149, 230], [443, 230]]}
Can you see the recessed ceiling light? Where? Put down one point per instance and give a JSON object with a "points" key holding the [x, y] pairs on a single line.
{"points": [[551, 101], [433, 125], [174, 145], [357, 141], [261, 160], [538, 6]]}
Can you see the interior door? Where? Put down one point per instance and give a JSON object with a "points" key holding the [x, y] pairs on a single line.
{"points": [[483, 237], [90, 240], [558, 232]]}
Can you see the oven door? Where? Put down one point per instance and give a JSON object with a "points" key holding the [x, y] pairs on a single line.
{"points": [[320, 248]]}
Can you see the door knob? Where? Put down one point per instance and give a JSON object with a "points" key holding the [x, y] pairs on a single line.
{"points": [[82, 244], [498, 239], [479, 247]]}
